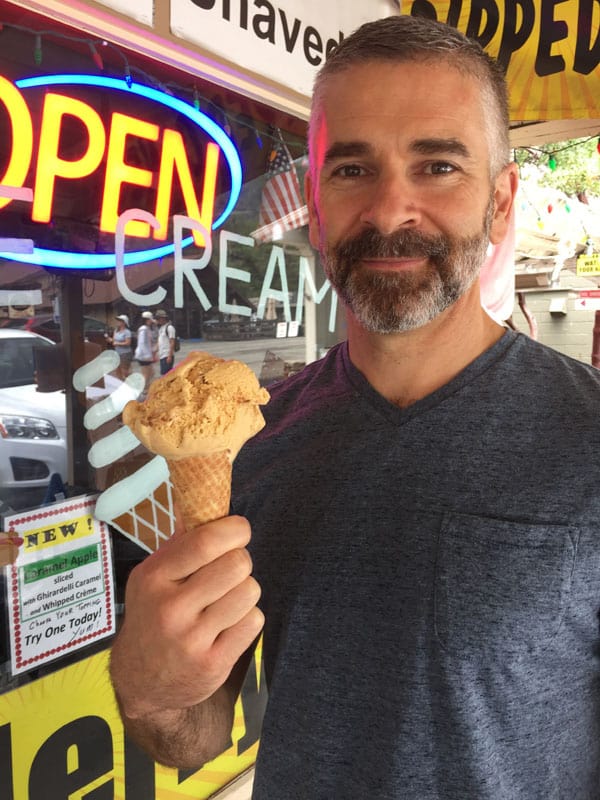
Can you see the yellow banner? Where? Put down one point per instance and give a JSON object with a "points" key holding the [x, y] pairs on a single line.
{"points": [[549, 48], [61, 737]]}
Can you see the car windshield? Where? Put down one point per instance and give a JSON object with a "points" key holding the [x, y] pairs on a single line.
{"points": [[17, 361]]}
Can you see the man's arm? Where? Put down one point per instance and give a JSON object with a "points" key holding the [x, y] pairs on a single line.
{"points": [[191, 737], [179, 660]]}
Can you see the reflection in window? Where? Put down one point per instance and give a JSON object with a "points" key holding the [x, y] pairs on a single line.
{"points": [[17, 364]]}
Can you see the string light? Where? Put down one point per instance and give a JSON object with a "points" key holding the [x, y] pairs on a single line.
{"points": [[539, 152], [37, 49], [96, 56], [226, 120], [216, 113], [528, 202]]}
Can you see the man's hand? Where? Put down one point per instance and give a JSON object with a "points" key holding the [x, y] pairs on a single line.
{"points": [[9, 547], [190, 613]]}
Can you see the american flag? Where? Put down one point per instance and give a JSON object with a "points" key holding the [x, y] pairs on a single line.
{"points": [[281, 207]]}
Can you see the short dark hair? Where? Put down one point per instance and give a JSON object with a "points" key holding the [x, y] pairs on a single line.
{"points": [[403, 38]]}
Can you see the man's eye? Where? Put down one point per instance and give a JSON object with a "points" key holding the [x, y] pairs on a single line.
{"points": [[349, 171], [440, 168]]}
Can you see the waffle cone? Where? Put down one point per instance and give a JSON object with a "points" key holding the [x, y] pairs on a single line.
{"points": [[202, 487]]}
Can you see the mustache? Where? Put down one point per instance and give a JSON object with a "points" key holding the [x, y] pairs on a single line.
{"points": [[400, 244]]}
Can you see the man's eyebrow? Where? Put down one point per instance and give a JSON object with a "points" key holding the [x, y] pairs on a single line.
{"points": [[347, 150], [435, 146], [428, 147]]}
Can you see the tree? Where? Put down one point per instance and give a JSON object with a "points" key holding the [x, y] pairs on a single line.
{"points": [[572, 166]]}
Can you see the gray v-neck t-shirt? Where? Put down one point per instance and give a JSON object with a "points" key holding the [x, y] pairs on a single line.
{"points": [[431, 582]]}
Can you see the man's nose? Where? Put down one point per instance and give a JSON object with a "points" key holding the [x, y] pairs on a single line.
{"points": [[391, 205]]}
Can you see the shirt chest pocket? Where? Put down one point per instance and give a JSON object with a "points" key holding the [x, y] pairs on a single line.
{"points": [[501, 586]]}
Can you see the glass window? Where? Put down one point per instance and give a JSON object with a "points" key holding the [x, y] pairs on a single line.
{"points": [[93, 149]]}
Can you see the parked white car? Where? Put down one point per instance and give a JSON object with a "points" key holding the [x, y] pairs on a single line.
{"points": [[33, 442]]}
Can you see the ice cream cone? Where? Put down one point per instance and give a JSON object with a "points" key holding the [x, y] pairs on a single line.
{"points": [[148, 522], [197, 417], [202, 487]]}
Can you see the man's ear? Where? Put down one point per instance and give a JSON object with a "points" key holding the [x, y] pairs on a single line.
{"points": [[506, 185], [313, 220]]}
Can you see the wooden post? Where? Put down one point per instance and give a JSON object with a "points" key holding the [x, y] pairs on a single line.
{"points": [[596, 341]]}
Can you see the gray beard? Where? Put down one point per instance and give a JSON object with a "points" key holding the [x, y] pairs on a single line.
{"points": [[394, 302]]}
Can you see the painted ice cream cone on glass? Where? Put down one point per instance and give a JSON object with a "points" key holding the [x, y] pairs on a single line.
{"points": [[198, 416]]}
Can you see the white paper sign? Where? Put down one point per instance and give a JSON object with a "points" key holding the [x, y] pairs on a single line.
{"points": [[285, 42], [141, 10], [60, 590]]}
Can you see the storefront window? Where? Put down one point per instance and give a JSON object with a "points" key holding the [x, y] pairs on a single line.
{"points": [[107, 163], [125, 188]]}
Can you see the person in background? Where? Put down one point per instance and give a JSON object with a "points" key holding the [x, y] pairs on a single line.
{"points": [[121, 341], [145, 352], [166, 341], [421, 509]]}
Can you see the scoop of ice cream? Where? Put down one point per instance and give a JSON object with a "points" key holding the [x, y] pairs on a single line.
{"points": [[203, 406]]}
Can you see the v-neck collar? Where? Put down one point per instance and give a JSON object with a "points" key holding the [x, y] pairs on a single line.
{"points": [[399, 415]]}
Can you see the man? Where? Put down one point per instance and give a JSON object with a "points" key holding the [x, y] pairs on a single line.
{"points": [[424, 529], [166, 341]]}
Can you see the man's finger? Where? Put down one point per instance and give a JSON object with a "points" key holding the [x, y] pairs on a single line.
{"points": [[183, 555], [9, 547], [239, 637], [230, 609]]}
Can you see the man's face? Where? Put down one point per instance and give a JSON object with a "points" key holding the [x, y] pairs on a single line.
{"points": [[401, 202]]}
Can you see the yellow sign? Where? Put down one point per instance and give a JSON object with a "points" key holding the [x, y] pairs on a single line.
{"points": [[53, 534], [588, 265], [61, 736], [550, 50]]}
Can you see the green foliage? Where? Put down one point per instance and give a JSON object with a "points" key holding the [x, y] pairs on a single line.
{"points": [[576, 167]]}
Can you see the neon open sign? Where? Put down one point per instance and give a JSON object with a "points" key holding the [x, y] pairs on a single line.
{"points": [[106, 145]]}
